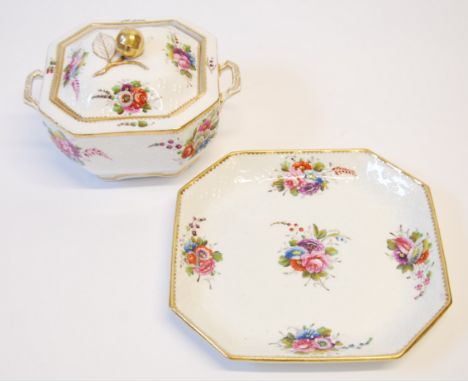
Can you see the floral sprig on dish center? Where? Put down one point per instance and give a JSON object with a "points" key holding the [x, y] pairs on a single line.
{"points": [[311, 252]]}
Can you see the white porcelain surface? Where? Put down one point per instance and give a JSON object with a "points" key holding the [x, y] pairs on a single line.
{"points": [[109, 121], [239, 296]]}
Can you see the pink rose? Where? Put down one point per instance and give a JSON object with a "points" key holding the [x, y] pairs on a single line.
{"points": [[404, 245], [205, 267], [182, 60], [294, 179], [314, 262], [303, 345]]}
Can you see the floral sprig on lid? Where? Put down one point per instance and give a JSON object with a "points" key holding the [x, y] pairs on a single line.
{"points": [[310, 339], [198, 256], [299, 176], [181, 56], [72, 70], [128, 97], [311, 252], [411, 249]]}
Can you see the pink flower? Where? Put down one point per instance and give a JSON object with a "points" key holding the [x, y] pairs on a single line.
{"points": [[205, 267], [404, 245], [427, 280], [313, 246], [314, 262], [205, 125], [420, 274], [182, 60], [67, 148], [419, 286], [402, 250], [323, 343], [294, 179], [303, 345]]}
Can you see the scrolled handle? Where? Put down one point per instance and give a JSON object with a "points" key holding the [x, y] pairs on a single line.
{"points": [[236, 80], [28, 88]]}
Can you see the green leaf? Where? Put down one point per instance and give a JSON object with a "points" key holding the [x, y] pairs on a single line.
{"points": [[116, 89], [189, 270], [338, 343], [285, 166], [391, 245], [426, 245], [415, 236], [287, 341], [142, 123], [217, 256], [305, 274], [200, 241], [186, 73], [319, 166], [284, 261], [405, 268], [136, 84], [316, 230], [324, 332], [292, 243], [118, 109], [294, 191], [331, 251], [322, 234], [279, 184]]}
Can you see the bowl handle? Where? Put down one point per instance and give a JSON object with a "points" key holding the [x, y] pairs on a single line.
{"points": [[236, 80], [28, 97]]}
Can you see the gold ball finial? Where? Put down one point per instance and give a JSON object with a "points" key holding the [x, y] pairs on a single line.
{"points": [[130, 43]]}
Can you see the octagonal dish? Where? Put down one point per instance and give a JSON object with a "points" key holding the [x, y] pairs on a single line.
{"points": [[132, 98], [315, 255]]}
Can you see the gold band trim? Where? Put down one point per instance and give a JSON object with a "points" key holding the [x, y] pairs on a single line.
{"points": [[57, 79], [216, 104]]}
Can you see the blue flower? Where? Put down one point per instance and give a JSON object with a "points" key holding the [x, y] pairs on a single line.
{"points": [[204, 143], [190, 246], [319, 180], [307, 334], [310, 175], [294, 252]]}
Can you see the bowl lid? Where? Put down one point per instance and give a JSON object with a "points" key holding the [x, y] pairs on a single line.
{"points": [[114, 77]]}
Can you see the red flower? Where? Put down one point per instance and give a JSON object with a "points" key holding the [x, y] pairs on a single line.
{"points": [[423, 257], [188, 151], [191, 258], [140, 98], [302, 165], [296, 265]]}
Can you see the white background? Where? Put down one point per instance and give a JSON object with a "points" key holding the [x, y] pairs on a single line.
{"points": [[84, 264]]}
